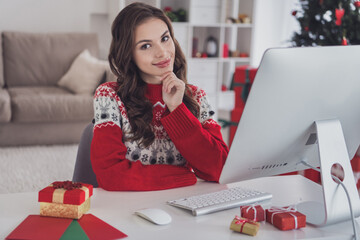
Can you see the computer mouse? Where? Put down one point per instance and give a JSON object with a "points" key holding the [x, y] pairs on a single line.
{"points": [[154, 215]]}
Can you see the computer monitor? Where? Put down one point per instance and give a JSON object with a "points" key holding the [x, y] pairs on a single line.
{"points": [[302, 100]]}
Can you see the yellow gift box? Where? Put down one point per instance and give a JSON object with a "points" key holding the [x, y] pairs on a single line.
{"points": [[244, 225]]}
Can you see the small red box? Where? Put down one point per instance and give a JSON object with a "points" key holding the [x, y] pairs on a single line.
{"points": [[235, 118], [285, 218], [243, 79], [255, 213]]}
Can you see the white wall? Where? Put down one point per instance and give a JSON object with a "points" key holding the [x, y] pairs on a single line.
{"points": [[274, 26], [57, 16]]}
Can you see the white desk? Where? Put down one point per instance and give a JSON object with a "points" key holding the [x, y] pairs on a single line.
{"points": [[117, 209]]}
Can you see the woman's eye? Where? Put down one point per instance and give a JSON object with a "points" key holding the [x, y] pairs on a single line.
{"points": [[145, 46], [165, 38]]}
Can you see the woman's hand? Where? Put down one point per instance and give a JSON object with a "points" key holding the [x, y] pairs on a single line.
{"points": [[173, 90]]}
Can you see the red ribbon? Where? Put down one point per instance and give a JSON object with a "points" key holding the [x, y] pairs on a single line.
{"points": [[242, 221]]}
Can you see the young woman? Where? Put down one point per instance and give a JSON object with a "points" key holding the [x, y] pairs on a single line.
{"points": [[152, 130]]}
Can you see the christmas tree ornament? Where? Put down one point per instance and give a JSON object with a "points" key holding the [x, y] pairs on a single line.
{"points": [[211, 47], [321, 2], [339, 13], [327, 16], [294, 13], [344, 41], [357, 4]]}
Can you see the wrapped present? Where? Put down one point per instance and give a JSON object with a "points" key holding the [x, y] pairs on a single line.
{"points": [[65, 199], [235, 118], [243, 79], [285, 218], [253, 212], [244, 225]]}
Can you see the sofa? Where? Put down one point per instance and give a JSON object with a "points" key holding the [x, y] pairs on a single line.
{"points": [[37, 106]]}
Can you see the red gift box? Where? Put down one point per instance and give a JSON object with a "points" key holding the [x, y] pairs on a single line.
{"points": [[235, 118], [243, 78], [65, 199], [253, 212], [285, 218], [74, 196]]}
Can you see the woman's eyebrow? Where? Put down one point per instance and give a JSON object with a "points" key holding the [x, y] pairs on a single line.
{"points": [[146, 40]]}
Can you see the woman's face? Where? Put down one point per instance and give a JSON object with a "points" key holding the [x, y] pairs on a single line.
{"points": [[154, 50]]}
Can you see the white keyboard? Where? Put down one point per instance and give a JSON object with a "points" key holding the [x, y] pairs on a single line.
{"points": [[221, 200]]}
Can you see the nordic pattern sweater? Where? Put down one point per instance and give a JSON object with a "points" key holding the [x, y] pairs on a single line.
{"points": [[185, 147]]}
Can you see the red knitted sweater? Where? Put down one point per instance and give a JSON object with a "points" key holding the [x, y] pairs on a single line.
{"points": [[184, 146]]}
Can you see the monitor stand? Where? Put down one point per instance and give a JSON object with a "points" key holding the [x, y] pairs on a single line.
{"points": [[332, 150]]}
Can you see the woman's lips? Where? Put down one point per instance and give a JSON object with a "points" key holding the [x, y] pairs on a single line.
{"points": [[163, 64]]}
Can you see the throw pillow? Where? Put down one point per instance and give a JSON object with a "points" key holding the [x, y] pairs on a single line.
{"points": [[85, 74]]}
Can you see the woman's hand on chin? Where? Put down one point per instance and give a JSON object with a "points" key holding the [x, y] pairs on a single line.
{"points": [[173, 90]]}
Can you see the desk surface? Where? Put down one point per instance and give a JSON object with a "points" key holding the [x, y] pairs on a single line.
{"points": [[117, 209]]}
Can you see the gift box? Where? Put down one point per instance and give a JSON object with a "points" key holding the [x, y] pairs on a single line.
{"points": [[235, 119], [253, 212], [244, 77], [244, 225], [65, 199], [285, 218]]}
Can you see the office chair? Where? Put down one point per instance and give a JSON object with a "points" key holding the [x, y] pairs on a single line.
{"points": [[83, 171]]}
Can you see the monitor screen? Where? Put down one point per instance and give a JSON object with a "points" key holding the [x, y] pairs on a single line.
{"points": [[293, 88]]}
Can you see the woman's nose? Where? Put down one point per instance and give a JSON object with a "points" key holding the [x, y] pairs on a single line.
{"points": [[160, 51]]}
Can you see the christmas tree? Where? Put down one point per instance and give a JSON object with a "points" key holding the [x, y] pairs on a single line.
{"points": [[327, 22]]}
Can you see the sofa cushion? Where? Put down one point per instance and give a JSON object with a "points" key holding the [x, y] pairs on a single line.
{"points": [[40, 59], [49, 104], [84, 74], [1, 65], [5, 106]]}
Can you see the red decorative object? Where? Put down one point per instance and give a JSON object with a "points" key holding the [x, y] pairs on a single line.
{"points": [[225, 50], [339, 13], [306, 28], [357, 4], [243, 55], [55, 192], [253, 212], [243, 78], [223, 88], [344, 41], [235, 119], [294, 13], [167, 9], [321, 2], [285, 218], [68, 185]]}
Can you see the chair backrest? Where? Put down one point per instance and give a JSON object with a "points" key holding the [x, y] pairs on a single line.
{"points": [[83, 171]]}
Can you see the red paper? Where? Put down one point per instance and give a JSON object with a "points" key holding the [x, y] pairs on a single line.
{"points": [[96, 228], [39, 228]]}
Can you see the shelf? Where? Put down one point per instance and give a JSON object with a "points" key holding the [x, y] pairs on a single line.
{"points": [[229, 59], [238, 25], [205, 19]]}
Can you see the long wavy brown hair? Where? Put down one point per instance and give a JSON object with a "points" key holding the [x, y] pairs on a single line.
{"points": [[131, 87]]}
